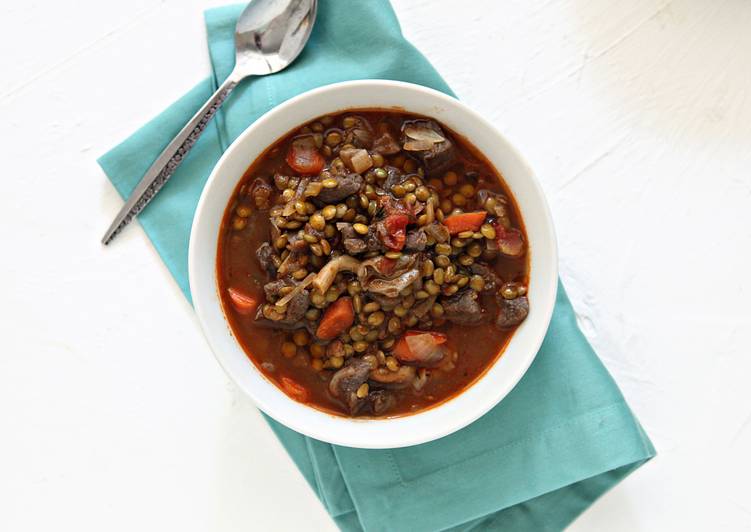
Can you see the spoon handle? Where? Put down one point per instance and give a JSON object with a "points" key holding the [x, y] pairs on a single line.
{"points": [[161, 170]]}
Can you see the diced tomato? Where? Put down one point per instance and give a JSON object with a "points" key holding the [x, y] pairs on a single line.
{"points": [[404, 353], [305, 160], [468, 221], [294, 390], [396, 228], [338, 317], [242, 302], [510, 241]]}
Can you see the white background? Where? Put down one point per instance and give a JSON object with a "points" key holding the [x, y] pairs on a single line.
{"points": [[636, 116]]}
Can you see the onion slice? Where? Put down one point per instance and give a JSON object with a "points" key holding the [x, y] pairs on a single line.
{"points": [[423, 134], [299, 288]]}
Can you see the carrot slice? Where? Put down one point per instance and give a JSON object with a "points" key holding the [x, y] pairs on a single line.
{"points": [[467, 221], [294, 390], [339, 316], [242, 302]]}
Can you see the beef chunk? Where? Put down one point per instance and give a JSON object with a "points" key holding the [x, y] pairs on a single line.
{"points": [[386, 144], [297, 306], [492, 281], [463, 308], [346, 381], [352, 241], [394, 176], [264, 255], [436, 157], [380, 401], [416, 240], [511, 311], [273, 288], [348, 185]]}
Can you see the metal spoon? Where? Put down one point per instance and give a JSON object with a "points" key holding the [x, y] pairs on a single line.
{"points": [[269, 35]]}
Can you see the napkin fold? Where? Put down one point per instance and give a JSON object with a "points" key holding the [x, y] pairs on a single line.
{"points": [[556, 443]]}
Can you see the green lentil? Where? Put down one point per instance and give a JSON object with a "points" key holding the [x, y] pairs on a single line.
{"points": [[376, 318], [360, 228], [443, 249], [289, 349], [317, 222], [477, 283]]}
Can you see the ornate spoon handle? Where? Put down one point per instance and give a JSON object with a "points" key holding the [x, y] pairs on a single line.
{"points": [[159, 173]]}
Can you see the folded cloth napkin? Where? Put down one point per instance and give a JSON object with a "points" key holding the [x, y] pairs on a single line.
{"points": [[556, 443]]}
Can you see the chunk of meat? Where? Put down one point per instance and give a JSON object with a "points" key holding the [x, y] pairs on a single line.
{"points": [[386, 144], [346, 381], [273, 288], [492, 281], [346, 186], [297, 306], [352, 241], [416, 240], [265, 254], [511, 312], [436, 157], [394, 176], [438, 231], [360, 134], [380, 402], [261, 191], [463, 308]]}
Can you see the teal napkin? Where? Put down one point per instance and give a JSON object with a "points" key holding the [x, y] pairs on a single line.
{"points": [[557, 442]]}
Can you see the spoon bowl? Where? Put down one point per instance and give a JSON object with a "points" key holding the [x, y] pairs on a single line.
{"points": [[270, 34]]}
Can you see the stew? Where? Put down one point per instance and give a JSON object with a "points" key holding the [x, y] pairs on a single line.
{"points": [[372, 263]]}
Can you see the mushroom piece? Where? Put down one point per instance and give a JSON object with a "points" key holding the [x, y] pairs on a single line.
{"points": [[346, 381], [393, 379], [327, 274], [374, 279]]}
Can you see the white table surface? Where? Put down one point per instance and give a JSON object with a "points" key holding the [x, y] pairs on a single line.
{"points": [[636, 116]]}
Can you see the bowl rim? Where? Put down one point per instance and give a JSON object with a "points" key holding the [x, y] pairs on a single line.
{"points": [[371, 432]]}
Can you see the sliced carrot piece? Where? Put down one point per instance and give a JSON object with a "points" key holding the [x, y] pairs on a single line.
{"points": [[294, 390], [467, 221], [339, 316], [242, 302]]}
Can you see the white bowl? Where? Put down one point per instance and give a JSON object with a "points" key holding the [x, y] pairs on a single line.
{"points": [[449, 416]]}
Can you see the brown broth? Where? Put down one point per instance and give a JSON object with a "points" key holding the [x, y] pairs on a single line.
{"points": [[478, 346]]}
